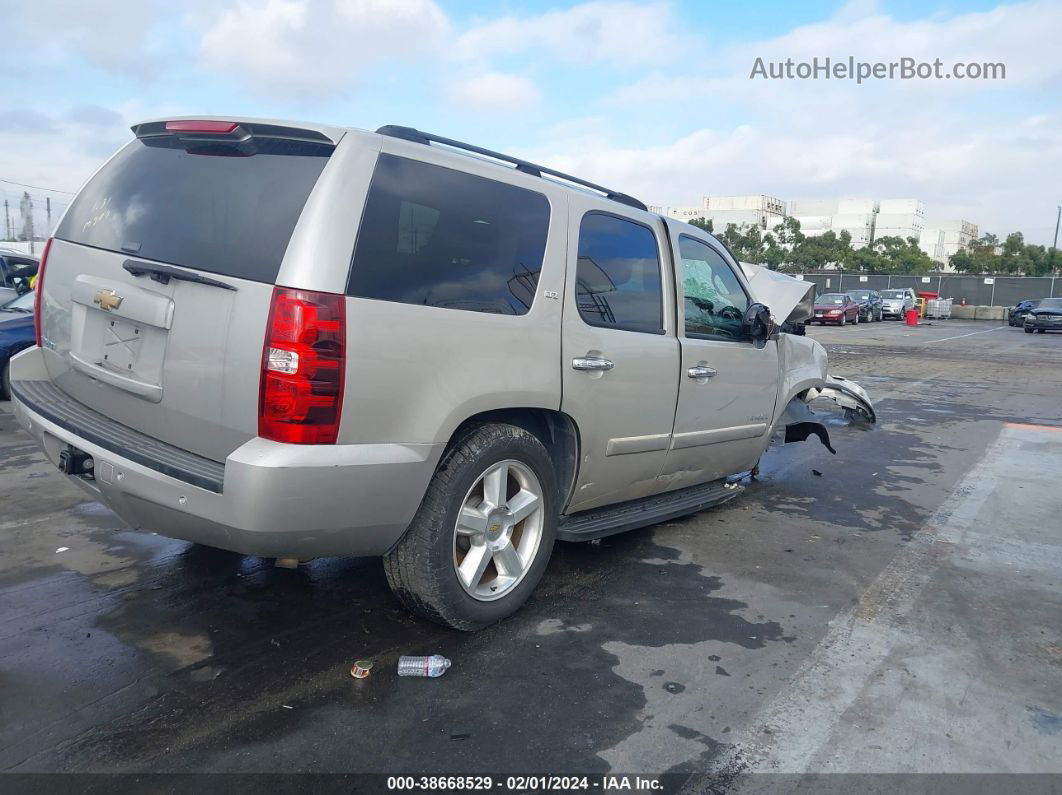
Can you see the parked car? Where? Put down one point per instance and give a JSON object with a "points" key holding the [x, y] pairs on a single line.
{"points": [[16, 333], [16, 271], [446, 382], [895, 303], [836, 308], [1016, 316], [1045, 317], [869, 304]]}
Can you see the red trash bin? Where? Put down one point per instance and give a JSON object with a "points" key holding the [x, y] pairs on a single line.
{"points": [[912, 317]]}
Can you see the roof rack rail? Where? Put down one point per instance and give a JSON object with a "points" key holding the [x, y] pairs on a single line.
{"points": [[417, 136]]}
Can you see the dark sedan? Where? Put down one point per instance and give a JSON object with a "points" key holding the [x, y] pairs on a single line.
{"points": [[835, 308], [1046, 317], [1018, 313], [16, 333], [869, 304]]}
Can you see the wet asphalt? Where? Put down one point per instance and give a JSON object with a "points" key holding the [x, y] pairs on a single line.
{"points": [[704, 645]]}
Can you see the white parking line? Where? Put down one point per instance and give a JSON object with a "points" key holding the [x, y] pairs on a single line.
{"points": [[945, 339], [808, 727]]}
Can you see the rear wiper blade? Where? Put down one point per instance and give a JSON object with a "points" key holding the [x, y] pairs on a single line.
{"points": [[163, 273]]}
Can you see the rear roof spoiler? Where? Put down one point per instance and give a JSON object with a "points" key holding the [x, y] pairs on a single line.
{"points": [[244, 128]]}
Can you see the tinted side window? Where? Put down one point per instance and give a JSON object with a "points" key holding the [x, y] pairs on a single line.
{"points": [[439, 237], [715, 304], [617, 281]]}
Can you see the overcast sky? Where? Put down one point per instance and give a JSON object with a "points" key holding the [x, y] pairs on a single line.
{"points": [[653, 99]]}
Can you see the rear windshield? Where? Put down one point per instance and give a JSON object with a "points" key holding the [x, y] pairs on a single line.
{"points": [[231, 215]]}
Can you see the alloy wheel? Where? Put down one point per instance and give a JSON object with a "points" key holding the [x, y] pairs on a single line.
{"points": [[498, 530]]}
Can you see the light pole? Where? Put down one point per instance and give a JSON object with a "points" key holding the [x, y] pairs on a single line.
{"points": [[1054, 248]]}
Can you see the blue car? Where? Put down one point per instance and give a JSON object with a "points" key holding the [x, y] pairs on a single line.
{"points": [[16, 333]]}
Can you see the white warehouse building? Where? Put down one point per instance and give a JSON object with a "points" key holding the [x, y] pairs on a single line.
{"points": [[763, 212], [865, 220], [942, 238], [855, 216], [902, 218]]}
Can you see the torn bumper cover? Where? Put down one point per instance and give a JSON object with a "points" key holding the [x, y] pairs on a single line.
{"points": [[800, 421], [847, 394]]}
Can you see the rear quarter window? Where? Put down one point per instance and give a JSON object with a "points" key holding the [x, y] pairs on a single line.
{"points": [[434, 236], [225, 214]]}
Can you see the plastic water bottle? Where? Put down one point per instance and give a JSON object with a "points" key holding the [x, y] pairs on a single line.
{"points": [[433, 666]]}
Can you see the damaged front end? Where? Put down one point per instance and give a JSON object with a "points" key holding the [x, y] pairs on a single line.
{"points": [[802, 361]]}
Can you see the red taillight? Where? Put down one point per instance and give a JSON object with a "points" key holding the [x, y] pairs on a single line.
{"points": [[38, 290], [208, 127], [301, 395]]}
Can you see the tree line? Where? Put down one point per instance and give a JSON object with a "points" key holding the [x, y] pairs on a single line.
{"points": [[786, 248], [1014, 255]]}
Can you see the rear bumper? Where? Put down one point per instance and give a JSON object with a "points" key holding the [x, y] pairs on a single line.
{"points": [[275, 499]]}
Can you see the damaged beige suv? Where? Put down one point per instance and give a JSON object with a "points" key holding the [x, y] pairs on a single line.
{"points": [[295, 340]]}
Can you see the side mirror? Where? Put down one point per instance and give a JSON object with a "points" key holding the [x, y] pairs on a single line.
{"points": [[757, 323]]}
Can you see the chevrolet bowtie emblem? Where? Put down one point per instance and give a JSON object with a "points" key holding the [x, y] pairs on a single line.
{"points": [[107, 300]]}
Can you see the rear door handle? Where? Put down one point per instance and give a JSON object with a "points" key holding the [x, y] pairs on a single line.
{"points": [[700, 371], [592, 363]]}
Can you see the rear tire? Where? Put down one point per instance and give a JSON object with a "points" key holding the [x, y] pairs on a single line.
{"points": [[1028, 331], [430, 569], [5, 382]]}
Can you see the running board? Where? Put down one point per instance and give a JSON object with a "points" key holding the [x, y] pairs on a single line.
{"points": [[611, 519]]}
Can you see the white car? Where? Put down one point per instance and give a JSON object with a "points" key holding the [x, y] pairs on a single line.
{"points": [[895, 303]]}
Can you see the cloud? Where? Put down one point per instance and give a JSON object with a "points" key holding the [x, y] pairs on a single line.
{"points": [[993, 175], [621, 34], [974, 148], [53, 151], [118, 39], [493, 91], [1022, 36], [94, 116], [26, 121], [317, 48]]}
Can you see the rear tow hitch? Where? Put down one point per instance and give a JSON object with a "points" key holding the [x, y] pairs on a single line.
{"points": [[76, 462]]}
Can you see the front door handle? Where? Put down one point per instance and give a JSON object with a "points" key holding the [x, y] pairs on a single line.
{"points": [[701, 371], [592, 363]]}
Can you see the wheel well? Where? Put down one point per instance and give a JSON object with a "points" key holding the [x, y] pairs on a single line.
{"points": [[556, 430]]}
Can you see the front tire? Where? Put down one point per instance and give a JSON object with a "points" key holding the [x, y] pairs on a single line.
{"points": [[5, 382], [1028, 330], [843, 320], [482, 537]]}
